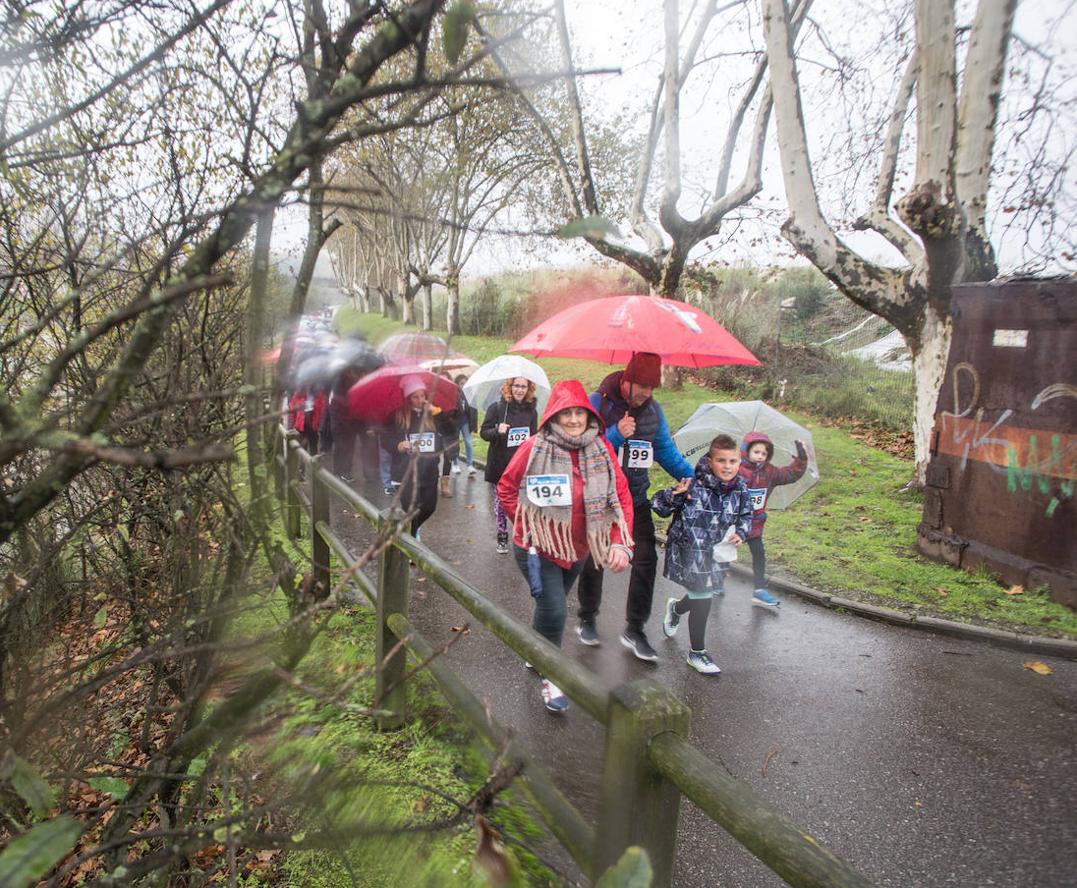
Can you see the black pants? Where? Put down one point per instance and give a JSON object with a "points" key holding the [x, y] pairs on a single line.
{"points": [[759, 562], [423, 497], [640, 581], [344, 434]]}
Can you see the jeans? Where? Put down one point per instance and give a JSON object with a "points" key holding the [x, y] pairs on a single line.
{"points": [[759, 562], [469, 451], [640, 581], [548, 619], [385, 466]]}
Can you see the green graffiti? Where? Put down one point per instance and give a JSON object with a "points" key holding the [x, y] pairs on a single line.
{"points": [[1039, 472]]}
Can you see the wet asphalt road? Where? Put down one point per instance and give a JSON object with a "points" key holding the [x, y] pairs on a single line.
{"points": [[922, 760]]}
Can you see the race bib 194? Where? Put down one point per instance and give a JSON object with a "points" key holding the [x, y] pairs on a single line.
{"points": [[758, 495], [640, 454], [549, 490], [517, 436], [422, 441]]}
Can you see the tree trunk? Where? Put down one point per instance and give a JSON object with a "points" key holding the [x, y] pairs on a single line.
{"points": [[929, 369], [452, 305], [407, 306], [364, 299], [428, 307], [383, 302]]}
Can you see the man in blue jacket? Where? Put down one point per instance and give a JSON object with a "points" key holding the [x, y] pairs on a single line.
{"points": [[637, 429]]}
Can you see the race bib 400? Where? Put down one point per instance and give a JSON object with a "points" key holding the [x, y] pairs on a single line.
{"points": [[422, 441], [549, 490]]}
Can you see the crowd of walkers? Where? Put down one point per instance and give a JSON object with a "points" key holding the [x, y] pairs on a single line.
{"points": [[571, 493]]}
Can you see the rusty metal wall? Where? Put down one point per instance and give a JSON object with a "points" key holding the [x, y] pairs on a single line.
{"points": [[1000, 485]]}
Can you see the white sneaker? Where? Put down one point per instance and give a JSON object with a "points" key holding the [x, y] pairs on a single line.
{"points": [[553, 697], [472, 471], [455, 468], [701, 661]]}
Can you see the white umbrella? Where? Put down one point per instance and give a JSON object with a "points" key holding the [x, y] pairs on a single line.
{"points": [[737, 418], [483, 389], [453, 365]]}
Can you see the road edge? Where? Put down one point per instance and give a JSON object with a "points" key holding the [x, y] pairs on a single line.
{"points": [[1033, 644]]}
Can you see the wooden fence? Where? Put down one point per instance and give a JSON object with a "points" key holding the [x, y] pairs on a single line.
{"points": [[649, 762]]}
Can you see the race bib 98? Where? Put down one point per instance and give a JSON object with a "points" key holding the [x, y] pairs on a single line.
{"points": [[640, 454], [517, 436], [549, 490], [422, 441]]}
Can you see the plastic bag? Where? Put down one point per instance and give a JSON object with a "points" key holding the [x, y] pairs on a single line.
{"points": [[725, 550]]}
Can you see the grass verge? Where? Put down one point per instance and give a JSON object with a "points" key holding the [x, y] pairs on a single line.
{"points": [[854, 533]]}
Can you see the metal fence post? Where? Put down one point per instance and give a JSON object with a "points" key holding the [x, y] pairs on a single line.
{"points": [[639, 806], [291, 497], [319, 548], [393, 582]]}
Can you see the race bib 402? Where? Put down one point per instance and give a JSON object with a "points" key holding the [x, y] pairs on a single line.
{"points": [[549, 490], [517, 436]]}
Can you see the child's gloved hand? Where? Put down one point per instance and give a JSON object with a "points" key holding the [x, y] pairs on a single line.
{"points": [[682, 486], [802, 453]]}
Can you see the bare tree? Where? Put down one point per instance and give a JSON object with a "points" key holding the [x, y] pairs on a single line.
{"points": [[940, 225], [655, 207]]}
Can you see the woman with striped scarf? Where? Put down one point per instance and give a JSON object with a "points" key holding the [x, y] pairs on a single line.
{"points": [[567, 498]]}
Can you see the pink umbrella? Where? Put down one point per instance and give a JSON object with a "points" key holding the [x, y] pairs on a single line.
{"points": [[616, 327], [414, 348], [375, 397]]}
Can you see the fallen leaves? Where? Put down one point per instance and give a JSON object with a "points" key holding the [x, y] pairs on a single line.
{"points": [[942, 590], [1014, 590], [1038, 666]]}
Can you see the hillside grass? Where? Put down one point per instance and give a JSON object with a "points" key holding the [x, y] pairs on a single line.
{"points": [[377, 777], [854, 533]]}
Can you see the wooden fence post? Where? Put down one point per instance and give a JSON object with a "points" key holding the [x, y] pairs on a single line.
{"points": [[639, 806], [392, 598], [319, 548], [292, 507]]}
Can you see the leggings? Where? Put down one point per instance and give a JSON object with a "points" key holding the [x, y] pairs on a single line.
{"points": [[759, 562], [500, 517], [424, 498]]}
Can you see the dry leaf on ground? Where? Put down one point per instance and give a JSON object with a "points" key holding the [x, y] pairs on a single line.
{"points": [[1038, 666]]}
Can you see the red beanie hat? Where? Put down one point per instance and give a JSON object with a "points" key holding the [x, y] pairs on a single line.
{"points": [[645, 368]]}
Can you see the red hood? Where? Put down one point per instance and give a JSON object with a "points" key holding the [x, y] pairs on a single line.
{"points": [[757, 438], [569, 393]]}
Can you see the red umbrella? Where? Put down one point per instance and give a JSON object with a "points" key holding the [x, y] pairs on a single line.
{"points": [[616, 327], [377, 396], [414, 348]]}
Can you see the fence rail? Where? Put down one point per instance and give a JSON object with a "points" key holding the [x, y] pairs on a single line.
{"points": [[648, 761]]}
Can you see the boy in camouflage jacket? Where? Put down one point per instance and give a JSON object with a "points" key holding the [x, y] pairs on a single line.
{"points": [[704, 509]]}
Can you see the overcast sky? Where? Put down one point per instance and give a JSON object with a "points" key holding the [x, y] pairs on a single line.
{"points": [[628, 35]]}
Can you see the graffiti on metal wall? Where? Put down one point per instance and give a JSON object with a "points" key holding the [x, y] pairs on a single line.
{"points": [[1028, 457]]}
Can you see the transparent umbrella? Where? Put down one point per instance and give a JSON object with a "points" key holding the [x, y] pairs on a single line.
{"points": [[483, 388], [737, 418]]}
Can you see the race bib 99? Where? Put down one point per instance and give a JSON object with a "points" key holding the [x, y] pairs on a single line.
{"points": [[640, 454], [517, 436], [422, 442], [549, 490]]}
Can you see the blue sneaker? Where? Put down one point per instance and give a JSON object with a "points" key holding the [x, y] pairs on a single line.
{"points": [[764, 599]]}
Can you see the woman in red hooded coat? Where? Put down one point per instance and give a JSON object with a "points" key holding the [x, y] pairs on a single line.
{"points": [[567, 498]]}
